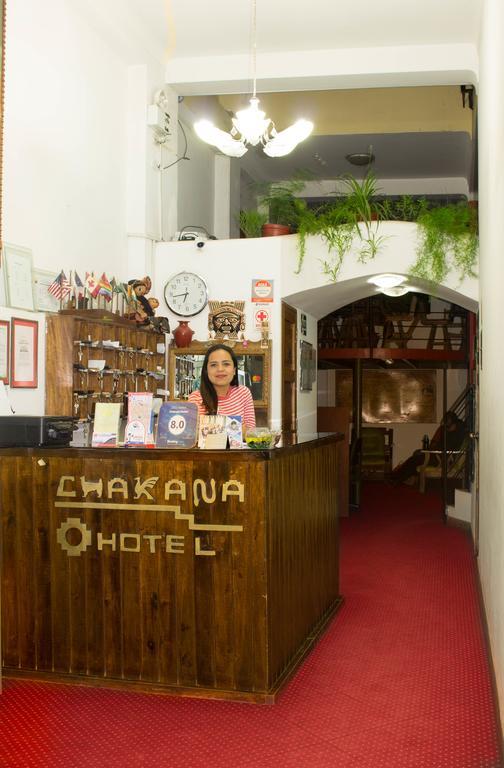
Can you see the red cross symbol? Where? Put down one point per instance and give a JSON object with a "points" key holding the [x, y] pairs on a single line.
{"points": [[262, 315]]}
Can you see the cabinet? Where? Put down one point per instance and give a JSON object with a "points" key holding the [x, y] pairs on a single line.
{"points": [[96, 356]]}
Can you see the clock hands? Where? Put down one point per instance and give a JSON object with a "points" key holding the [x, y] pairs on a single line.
{"points": [[185, 295]]}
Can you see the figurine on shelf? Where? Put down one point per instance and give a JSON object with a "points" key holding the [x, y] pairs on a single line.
{"points": [[145, 308]]}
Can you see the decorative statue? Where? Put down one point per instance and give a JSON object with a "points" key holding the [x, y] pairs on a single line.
{"points": [[145, 310]]}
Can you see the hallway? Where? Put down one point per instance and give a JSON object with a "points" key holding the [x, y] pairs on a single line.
{"points": [[400, 679]]}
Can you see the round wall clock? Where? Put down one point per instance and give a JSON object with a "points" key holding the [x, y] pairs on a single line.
{"points": [[186, 294]]}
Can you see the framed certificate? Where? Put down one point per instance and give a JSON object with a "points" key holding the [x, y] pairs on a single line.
{"points": [[18, 276], [42, 299], [4, 351], [24, 352]]}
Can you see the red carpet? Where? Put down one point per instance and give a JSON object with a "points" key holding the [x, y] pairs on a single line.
{"points": [[400, 680]]}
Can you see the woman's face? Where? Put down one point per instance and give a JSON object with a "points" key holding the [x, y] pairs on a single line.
{"points": [[220, 368]]}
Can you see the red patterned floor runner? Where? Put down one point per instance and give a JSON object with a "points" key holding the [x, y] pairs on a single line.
{"points": [[400, 679]]}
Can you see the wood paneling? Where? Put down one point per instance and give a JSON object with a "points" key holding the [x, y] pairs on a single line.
{"points": [[230, 622]]}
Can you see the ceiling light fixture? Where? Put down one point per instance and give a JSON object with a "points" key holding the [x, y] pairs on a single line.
{"points": [[251, 126], [387, 280], [396, 290], [361, 158]]}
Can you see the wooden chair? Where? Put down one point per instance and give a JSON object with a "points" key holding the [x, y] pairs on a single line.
{"points": [[455, 464], [376, 451]]}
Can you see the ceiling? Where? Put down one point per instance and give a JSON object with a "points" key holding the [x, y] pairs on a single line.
{"points": [[223, 26], [415, 133], [424, 136]]}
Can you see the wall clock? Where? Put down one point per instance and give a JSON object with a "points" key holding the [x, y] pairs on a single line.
{"points": [[186, 294]]}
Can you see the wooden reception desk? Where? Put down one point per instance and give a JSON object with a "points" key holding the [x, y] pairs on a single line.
{"points": [[207, 573]]}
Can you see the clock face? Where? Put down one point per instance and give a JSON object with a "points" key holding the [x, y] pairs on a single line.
{"points": [[186, 294]]}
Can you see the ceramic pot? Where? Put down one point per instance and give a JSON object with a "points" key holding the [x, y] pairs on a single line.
{"points": [[272, 230], [183, 334]]}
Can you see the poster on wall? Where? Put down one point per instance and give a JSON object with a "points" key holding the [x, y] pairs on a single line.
{"points": [[261, 316], [262, 290], [308, 366], [24, 352]]}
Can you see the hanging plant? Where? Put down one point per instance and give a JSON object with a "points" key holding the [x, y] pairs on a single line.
{"points": [[447, 239], [354, 215]]}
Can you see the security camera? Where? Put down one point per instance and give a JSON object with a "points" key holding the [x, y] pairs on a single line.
{"points": [[200, 243]]}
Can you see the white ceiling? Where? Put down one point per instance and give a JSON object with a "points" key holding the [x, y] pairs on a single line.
{"points": [[223, 26]]}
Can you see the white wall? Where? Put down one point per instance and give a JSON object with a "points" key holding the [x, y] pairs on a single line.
{"points": [[79, 161], [196, 179], [491, 181], [64, 150]]}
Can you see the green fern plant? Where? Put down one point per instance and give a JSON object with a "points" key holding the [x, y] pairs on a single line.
{"points": [[250, 222], [447, 240]]}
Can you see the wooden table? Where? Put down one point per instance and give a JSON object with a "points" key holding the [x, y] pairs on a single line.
{"points": [[208, 573]]}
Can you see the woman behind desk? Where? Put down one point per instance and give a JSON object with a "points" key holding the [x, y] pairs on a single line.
{"points": [[219, 391]]}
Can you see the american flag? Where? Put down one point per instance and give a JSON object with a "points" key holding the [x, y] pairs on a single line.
{"points": [[60, 287]]}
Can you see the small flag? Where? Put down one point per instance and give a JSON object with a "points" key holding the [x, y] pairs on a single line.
{"points": [[92, 285], [78, 284], [60, 287], [105, 289]]}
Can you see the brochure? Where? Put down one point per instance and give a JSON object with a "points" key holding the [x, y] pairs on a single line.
{"points": [[139, 427], [212, 432], [106, 425], [235, 431], [177, 425]]}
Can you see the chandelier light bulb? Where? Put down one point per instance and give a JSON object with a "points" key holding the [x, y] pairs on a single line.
{"points": [[251, 126]]}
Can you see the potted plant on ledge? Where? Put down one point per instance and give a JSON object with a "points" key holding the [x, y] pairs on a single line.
{"points": [[283, 207]]}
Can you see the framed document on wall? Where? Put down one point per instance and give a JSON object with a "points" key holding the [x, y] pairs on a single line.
{"points": [[4, 351], [18, 276], [24, 352], [43, 300]]}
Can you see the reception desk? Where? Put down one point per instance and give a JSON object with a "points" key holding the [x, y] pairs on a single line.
{"points": [[207, 573]]}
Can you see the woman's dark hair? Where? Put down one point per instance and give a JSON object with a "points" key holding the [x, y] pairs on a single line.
{"points": [[207, 389]]}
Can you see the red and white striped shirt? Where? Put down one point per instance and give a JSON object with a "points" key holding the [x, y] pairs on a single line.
{"points": [[237, 402]]}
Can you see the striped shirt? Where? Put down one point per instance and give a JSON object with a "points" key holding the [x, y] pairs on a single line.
{"points": [[237, 402]]}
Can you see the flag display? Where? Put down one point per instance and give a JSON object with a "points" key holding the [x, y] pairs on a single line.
{"points": [[60, 287]]}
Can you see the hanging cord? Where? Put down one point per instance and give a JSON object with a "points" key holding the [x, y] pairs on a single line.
{"points": [[184, 154], [254, 46]]}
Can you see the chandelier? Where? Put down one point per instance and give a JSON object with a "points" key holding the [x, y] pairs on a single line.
{"points": [[251, 126]]}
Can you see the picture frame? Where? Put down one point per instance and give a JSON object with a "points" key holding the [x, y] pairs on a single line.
{"points": [[24, 353], [3, 296], [308, 366], [17, 263], [4, 351], [43, 300]]}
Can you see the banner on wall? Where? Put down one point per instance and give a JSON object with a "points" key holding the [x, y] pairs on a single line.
{"points": [[262, 290]]}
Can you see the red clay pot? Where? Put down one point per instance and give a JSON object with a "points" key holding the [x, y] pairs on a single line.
{"points": [[272, 230]]}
